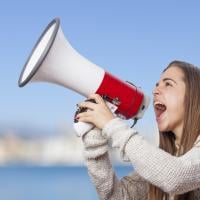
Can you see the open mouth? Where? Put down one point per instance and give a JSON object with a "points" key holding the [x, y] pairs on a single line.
{"points": [[159, 108]]}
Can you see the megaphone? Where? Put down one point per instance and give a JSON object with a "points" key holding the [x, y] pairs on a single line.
{"points": [[54, 60]]}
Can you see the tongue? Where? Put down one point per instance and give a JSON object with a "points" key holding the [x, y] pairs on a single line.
{"points": [[160, 109], [159, 113]]}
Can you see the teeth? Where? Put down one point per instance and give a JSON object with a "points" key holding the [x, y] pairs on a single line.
{"points": [[157, 102], [159, 106]]}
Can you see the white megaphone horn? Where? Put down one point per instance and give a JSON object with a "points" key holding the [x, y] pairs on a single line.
{"points": [[54, 60]]}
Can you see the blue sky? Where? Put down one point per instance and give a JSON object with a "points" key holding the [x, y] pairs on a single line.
{"points": [[133, 40]]}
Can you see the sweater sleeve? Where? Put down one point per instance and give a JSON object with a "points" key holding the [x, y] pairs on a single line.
{"points": [[108, 186], [172, 174]]}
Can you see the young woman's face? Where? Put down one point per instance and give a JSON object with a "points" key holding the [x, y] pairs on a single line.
{"points": [[169, 100]]}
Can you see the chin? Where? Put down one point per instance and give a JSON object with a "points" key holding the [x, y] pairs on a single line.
{"points": [[163, 129]]}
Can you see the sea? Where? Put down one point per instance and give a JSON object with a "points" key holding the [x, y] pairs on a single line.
{"points": [[50, 183]]}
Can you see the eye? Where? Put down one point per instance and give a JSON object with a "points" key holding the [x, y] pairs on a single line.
{"points": [[157, 84], [167, 83]]}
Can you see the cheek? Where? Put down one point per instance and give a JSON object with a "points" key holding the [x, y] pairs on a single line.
{"points": [[176, 105]]}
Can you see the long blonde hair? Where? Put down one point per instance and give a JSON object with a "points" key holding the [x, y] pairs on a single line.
{"points": [[191, 127]]}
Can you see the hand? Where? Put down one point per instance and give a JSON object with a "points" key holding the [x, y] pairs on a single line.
{"points": [[97, 113]]}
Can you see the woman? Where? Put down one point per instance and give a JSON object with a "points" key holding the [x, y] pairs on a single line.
{"points": [[171, 171]]}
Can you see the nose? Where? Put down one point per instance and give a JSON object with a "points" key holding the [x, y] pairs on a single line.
{"points": [[156, 90]]}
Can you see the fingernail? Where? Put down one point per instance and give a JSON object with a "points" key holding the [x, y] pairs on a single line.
{"points": [[76, 120], [77, 117]]}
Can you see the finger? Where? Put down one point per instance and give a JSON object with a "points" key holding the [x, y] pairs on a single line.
{"points": [[84, 117], [88, 105], [83, 114], [97, 98]]}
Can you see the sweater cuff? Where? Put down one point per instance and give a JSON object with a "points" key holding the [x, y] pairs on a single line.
{"points": [[119, 133]]}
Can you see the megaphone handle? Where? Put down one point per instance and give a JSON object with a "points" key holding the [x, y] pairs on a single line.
{"points": [[81, 127]]}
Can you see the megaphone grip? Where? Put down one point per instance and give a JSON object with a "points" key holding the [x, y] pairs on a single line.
{"points": [[82, 128]]}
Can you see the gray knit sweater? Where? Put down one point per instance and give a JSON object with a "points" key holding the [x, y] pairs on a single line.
{"points": [[174, 175]]}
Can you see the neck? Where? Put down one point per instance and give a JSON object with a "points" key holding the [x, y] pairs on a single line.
{"points": [[178, 140], [178, 134]]}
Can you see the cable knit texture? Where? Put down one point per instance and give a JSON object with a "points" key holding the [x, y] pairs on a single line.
{"points": [[118, 140], [94, 144], [174, 175]]}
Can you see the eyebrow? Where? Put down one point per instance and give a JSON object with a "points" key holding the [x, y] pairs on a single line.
{"points": [[169, 79]]}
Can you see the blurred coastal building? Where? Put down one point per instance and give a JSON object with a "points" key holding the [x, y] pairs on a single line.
{"points": [[57, 149], [30, 146], [40, 150]]}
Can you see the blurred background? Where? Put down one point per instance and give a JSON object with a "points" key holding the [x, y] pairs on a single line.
{"points": [[40, 156]]}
